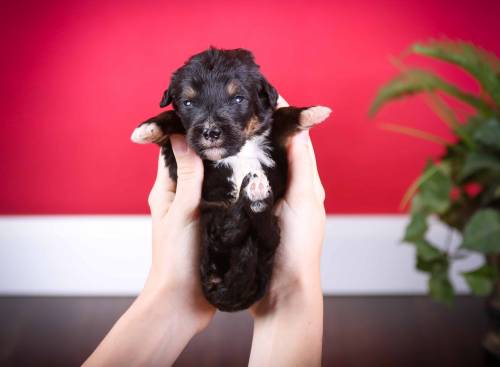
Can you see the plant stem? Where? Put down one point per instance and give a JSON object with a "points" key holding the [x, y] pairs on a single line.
{"points": [[416, 133], [414, 186]]}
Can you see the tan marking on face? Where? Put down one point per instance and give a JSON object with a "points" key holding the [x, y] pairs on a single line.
{"points": [[232, 87], [252, 126], [189, 92]]}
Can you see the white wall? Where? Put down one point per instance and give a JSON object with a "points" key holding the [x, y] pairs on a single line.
{"points": [[110, 255]]}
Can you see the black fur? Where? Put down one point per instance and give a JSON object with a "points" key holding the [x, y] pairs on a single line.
{"points": [[221, 100]]}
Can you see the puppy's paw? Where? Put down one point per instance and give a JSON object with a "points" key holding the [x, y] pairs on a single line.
{"points": [[313, 116], [257, 190], [148, 132]]}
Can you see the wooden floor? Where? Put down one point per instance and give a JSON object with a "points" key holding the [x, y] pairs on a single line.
{"points": [[359, 331]]}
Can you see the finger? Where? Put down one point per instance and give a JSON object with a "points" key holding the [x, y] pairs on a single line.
{"points": [[163, 190], [320, 191], [163, 180], [189, 177], [281, 102]]}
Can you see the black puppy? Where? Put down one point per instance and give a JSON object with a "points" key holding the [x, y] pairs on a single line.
{"points": [[228, 111]]}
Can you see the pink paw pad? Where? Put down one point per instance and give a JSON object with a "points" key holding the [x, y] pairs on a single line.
{"points": [[258, 188]]}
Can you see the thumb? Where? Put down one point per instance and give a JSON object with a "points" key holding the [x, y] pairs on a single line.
{"points": [[301, 168], [189, 177]]}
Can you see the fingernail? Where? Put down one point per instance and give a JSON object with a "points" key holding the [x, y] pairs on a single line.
{"points": [[179, 144], [303, 136]]}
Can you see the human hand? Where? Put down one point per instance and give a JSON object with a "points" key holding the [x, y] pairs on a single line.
{"points": [[301, 215], [175, 222], [171, 308], [288, 321]]}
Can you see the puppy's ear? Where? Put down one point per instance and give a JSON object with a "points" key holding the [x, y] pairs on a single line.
{"points": [[268, 94], [166, 99]]}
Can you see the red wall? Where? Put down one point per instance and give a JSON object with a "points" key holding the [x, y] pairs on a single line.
{"points": [[78, 76]]}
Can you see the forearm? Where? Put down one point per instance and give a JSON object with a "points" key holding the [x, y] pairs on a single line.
{"points": [[152, 332], [291, 334]]}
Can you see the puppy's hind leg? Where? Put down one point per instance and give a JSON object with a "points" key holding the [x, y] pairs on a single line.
{"points": [[228, 259], [238, 244]]}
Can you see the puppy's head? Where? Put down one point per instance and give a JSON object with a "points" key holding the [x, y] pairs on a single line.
{"points": [[222, 100]]}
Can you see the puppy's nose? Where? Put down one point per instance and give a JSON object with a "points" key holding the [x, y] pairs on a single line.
{"points": [[212, 133]]}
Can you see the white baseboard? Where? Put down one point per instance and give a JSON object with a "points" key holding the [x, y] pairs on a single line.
{"points": [[110, 255]]}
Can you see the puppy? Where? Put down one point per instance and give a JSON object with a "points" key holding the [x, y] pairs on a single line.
{"points": [[228, 111]]}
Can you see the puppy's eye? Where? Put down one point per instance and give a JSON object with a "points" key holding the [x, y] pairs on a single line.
{"points": [[187, 103], [238, 99]]}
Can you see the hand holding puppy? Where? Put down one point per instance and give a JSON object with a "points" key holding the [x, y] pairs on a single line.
{"points": [[171, 308], [288, 327]]}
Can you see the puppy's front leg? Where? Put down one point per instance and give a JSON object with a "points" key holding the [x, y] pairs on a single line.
{"points": [[157, 129], [288, 121]]}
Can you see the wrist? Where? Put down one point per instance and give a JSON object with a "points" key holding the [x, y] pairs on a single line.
{"points": [[291, 294], [288, 325], [169, 300], [139, 337]]}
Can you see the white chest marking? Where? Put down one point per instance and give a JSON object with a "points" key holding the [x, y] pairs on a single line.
{"points": [[252, 157]]}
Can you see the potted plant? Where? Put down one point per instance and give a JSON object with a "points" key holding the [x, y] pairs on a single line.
{"points": [[462, 187]]}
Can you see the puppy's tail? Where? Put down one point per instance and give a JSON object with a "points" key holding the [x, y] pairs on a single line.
{"points": [[244, 282]]}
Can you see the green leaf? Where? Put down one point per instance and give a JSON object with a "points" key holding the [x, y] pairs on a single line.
{"points": [[484, 66], [482, 232], [489, 134], [454, 157], [429, 258], [481, 280], [460, 211], [429, 266], [417, 227], [475, 162], [415, 81], [422, 265], [440, 287], [446, 114], [416, 204], [435, 191], [426, 251], [473, 124]]}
